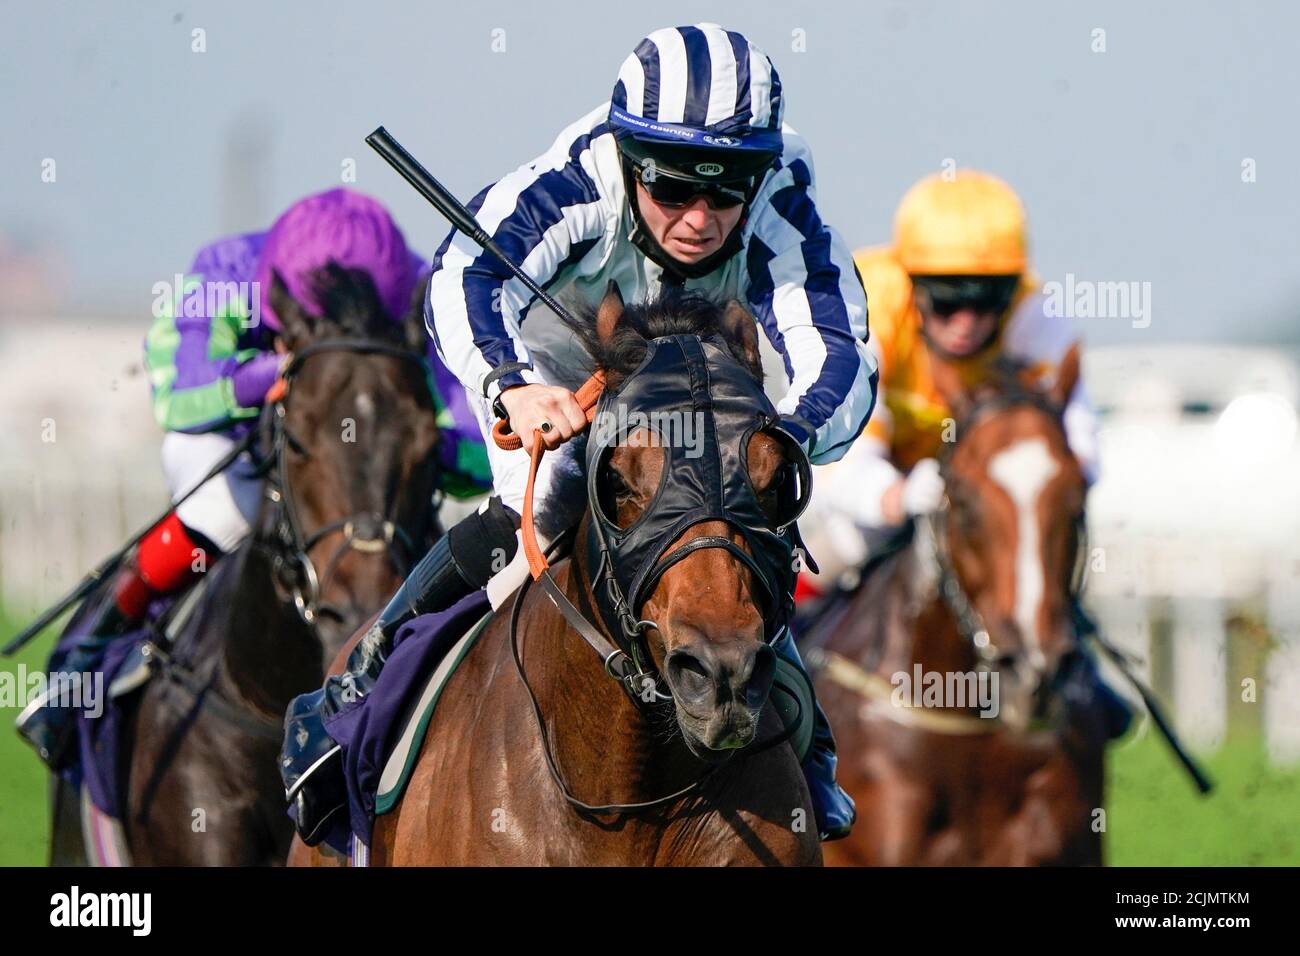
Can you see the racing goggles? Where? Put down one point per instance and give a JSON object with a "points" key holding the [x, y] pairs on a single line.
{"points": [[948, 295], [675, 193]]}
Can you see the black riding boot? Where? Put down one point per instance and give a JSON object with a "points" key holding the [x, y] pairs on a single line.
{"points": [[1091, 690], [833, 808], [459, 563], [47, 723]]}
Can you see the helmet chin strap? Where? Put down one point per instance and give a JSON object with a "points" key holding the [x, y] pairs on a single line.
{"points": [[675, 268]]}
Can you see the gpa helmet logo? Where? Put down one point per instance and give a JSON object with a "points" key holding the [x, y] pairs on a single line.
{"points": [[722, 140], [709, 169]]}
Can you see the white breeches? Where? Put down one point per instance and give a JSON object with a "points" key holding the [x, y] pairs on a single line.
{"points": [[224, 509]]}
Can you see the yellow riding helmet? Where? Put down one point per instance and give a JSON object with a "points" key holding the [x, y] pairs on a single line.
{"points": [[972, 224]]}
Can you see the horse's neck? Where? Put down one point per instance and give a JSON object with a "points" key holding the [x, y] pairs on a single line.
{"points": [[268, 653], [907, 620]]}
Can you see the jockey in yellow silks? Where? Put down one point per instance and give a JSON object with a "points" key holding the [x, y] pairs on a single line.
{"points": [[955, 285]]}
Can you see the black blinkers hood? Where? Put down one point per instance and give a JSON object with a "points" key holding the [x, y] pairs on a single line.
{"points": [[704, 407]]}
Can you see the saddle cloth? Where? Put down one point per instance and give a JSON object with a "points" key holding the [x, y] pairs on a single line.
{"points": [[387, 726], [126, 664]]}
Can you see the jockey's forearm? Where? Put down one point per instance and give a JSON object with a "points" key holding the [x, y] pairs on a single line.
{"points": [[838, 409]]}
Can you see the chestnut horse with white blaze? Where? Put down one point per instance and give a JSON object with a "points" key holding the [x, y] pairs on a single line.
{"points": [[983, 597]]}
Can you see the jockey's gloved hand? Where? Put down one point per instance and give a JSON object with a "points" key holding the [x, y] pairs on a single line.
{"points": [[923, 488]]}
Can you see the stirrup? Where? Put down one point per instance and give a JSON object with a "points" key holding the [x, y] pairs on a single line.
{"points": [[317, 797], [50, 731]]}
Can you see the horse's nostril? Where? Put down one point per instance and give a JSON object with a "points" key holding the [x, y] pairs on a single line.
{"points": [[689, 675], [709, 675], [753, 689]]}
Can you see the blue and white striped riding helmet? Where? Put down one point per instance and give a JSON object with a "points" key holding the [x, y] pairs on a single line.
{"points": [[698, 96]]}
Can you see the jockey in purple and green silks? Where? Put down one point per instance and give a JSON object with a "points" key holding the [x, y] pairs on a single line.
{"points": [[211, 361], [211, 373]]}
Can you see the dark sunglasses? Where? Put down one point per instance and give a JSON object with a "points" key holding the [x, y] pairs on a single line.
{"points": [[675, 193], [983, 294]]}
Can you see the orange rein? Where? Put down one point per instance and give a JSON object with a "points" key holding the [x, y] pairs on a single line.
{"points": [[588, 395]]}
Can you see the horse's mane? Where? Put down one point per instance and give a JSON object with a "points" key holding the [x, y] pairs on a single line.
{"points": [[350, 304], [674, 311], [566, 499], [1007, 384]]}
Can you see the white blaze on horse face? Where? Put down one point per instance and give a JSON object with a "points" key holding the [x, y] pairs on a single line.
{"points": [[1023, 470], [365, 406]]}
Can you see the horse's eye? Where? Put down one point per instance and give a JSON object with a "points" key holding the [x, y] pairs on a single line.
{"points": [[615, 495], [617, 491], [774, 487], [770, 499], [614, 480]]}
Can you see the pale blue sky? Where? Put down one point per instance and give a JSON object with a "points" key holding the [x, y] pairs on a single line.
{"points": [[1129, 161]]}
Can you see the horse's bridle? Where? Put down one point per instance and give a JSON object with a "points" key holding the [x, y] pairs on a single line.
{"points": [[933, 527], [618, 663], [710, 485], [291, 560], [636, 674], [971, 625], [289, 549]]}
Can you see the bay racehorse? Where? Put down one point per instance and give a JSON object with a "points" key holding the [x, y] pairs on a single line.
{"points": [[982, 598], [534, 754], [350, 440]]}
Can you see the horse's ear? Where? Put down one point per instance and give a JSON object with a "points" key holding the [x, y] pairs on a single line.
{"points": [[296, 323], [739, 326], [1067, 376], [948, 383], [414, 330], [609, 312]]}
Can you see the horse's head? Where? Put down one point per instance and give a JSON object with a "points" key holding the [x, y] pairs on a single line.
{"points": [[1010, 531], [354, 438], [692, 489]]}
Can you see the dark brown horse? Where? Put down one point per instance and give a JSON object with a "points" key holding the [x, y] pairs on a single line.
{"points": [[983, 588], [481, 792], [348, 509]]}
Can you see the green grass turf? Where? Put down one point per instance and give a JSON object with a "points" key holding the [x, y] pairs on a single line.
{"points": [[1156, 817], [24, 813]]}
